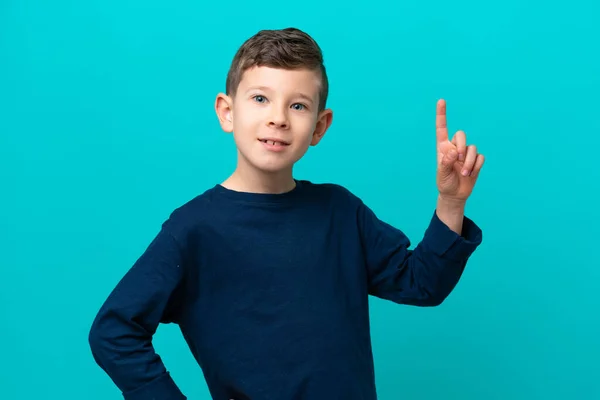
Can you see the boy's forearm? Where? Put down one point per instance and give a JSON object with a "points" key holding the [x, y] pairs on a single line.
{"points": [[451, 212], [121, 334]]}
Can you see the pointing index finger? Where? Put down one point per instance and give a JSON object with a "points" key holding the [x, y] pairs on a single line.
{"points": [[440, 122]]}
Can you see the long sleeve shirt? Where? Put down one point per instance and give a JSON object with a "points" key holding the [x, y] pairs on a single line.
{"points": [[271, 292]]}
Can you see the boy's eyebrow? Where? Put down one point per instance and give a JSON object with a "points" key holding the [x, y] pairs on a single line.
{"points": [[267, 89]]}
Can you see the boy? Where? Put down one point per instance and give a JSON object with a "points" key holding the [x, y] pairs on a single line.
{"points": [[268, 277]]}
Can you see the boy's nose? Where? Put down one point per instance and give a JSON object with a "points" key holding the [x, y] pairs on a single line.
{"points": [[278, 119], [278, 124]]}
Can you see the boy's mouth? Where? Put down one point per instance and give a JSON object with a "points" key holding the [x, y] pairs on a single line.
{"points": [[274, 142]]}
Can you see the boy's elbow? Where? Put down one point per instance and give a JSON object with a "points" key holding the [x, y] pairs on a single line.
{"points": [[434, 299], [103, 340], [414, 295], [436, 292], [94, 337], [422, 291], [97, 340]]}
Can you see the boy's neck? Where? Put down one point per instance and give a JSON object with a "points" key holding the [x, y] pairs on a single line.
{"points": [[248, 181]]}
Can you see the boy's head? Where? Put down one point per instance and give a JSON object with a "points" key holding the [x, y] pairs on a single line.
{"points": [[287, 49], [276, 91]]}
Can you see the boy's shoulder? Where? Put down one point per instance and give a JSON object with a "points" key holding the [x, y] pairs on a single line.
{"points": [[214, 202], [334, 192], [324, 187]]}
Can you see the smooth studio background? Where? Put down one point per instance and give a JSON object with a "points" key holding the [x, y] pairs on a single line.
{"points": [[107, 125]]}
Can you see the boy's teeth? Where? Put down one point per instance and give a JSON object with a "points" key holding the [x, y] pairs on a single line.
{"points": [[273, 143]]}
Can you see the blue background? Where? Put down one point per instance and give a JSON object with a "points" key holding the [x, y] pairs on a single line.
{"points": [[107, 125]]}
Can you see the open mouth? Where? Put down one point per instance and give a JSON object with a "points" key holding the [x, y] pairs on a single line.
{"points": [[273, 142]]}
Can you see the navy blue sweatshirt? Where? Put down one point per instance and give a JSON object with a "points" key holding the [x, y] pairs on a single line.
{"points": [[270, 292]]}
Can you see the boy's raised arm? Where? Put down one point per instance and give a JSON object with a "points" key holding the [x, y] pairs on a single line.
{"points": [[426, 275], [121, 334]]}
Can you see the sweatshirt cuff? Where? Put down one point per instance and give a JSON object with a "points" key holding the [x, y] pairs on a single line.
{"points": [[446, 243], [162, 388]]}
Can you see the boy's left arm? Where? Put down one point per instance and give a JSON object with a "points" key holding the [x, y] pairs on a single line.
{"points": [[426, 275]]}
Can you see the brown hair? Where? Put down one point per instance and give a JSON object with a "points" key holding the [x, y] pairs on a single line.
{"points": [[288, 48]]}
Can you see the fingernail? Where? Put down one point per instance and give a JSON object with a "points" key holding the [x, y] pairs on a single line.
{"points": [[461, 156], [465, 172]]}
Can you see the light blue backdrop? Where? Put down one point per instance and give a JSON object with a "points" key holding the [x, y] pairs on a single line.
{"points": [[107, 125]]}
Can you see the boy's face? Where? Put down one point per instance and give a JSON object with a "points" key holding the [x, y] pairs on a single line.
{"points": [[274, 117]]}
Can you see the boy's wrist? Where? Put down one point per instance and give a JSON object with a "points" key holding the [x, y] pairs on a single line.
{"points": [[451, 204], [451, 212]]}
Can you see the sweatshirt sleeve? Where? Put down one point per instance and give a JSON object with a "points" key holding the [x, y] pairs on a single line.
{"points": [[424, 276], [121, 333]]}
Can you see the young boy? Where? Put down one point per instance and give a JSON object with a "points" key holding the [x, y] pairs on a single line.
{"points": [[267, 276]]}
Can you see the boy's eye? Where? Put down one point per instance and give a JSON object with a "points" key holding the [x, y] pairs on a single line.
{"points": [[261, 99]]}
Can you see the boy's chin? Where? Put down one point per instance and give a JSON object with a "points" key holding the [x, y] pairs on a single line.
{"points": [[272, 166], [275, 169]]}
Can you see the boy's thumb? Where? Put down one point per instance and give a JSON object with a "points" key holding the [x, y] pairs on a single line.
{"points": [[449, 159]]}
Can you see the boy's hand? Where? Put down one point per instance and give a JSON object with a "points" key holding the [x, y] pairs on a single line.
{"points": [[458, 165]]}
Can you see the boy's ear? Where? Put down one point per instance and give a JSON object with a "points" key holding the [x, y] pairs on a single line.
{"points": [[323, 123], [224, 109]]}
